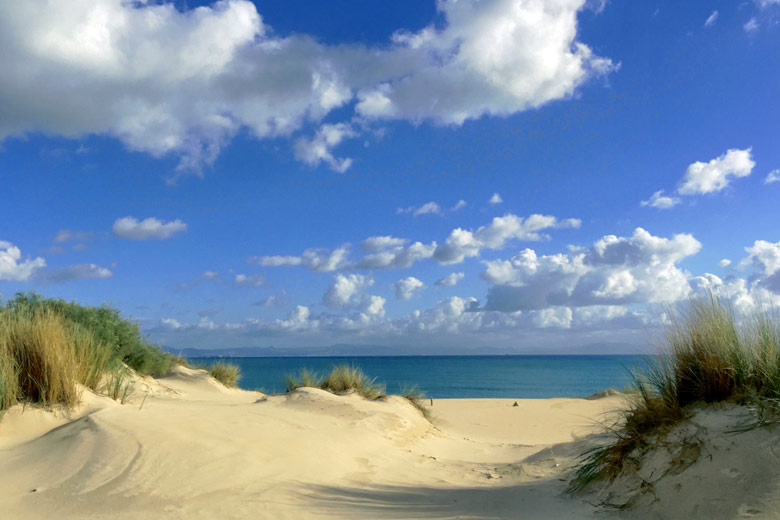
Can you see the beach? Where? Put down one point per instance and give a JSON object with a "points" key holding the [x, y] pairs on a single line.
{"points": [[185, 446]]}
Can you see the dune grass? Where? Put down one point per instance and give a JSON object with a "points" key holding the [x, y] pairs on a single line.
{"points": [[226, 373], [415, 396], [711, 355], [342, 379], [48, 346]]}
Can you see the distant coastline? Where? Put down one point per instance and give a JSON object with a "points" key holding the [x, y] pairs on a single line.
{"points": [[346, 350]]}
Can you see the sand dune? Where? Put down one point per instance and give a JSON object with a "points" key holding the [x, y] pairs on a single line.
{"points": [[187, 447]]}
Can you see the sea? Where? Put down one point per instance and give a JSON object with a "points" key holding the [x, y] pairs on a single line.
{"points": [[518, 377]]}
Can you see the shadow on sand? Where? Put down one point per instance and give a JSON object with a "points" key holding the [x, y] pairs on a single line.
{"points": [[540, 499]]}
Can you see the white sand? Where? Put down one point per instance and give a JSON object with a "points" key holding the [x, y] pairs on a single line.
{"points": [[194, 449]]}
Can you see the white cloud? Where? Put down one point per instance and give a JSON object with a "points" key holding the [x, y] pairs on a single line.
{"points": [[724, 262], [314, 259], [243, 280], [375, 306], [131, 228], [463, 244], [319, 148], [429, 208], [641, 268], [773, 176], [716, 174], [406, 287], [711, 19], [492, 57], [450, 280], [210, 275], [459, 205], [70, 235], [763, 4], [297, 319], [323, 260], [166, 80], [74, 272], [765, 257], [345, 288], [660, 201], [276, 260], [12, 268], [495, 199], [397, 257], [381, 243], [751, 26]]}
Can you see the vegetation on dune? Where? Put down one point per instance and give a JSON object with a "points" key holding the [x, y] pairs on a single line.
{"points": [[415, 396], [342, 379], [48, 345], [711, 355], [226, 373]]}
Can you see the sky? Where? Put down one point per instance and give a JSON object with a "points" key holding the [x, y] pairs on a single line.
{"points": [[539, 176]]}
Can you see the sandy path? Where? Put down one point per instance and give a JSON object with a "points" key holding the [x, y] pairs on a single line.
{"points": [[198, 450]]}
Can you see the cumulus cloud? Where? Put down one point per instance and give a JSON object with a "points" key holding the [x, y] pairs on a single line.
{"points": [[660, 201], [131, 228], [724, 262], [13, 268], [314, 259], [450, 280], [715, 175], [244, 280], [406, 287], [711, 19], [397, 257], [495, 199], [429, 208], [74, 272], [765, 257], [276, 260], [773, 176], [463, 244], [381, 243], [751, 26], [165, 80], [70, 235], [459, 205], [319, 148], [641, 268], [345, 289]]}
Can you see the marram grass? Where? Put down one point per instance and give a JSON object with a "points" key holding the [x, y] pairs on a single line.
{"points": [[48, 347], [342, 379], [226, 373], [711, 355]]}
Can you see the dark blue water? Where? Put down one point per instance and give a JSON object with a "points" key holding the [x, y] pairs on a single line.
{"points": [[459, 376]]}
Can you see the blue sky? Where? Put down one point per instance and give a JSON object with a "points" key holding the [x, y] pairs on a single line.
{"points": [[540, 176]]}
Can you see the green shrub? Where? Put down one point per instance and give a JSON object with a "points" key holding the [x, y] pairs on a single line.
{"points": [[710, 356], [108, 327], [47, 346]]}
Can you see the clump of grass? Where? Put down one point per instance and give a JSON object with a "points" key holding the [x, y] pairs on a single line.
{"points": [[342, 379], [49, 346], [37, 348], [711, 355], [345, 378], [108, 327], [415, 396], [226, 373], [306, 378], [118, 386]]}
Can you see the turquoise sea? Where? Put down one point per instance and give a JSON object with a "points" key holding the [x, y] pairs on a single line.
{"points": [[458, 376]]}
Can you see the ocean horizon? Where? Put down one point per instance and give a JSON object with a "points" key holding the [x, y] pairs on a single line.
{"points": [[453, 376]]}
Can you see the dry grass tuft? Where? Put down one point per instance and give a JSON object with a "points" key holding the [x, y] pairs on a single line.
{"points": [[226, 373]]}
